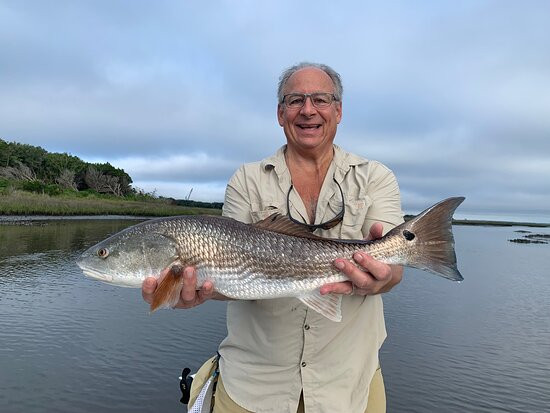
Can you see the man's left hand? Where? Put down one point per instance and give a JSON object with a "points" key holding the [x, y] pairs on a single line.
{"points": [[372, 277]]}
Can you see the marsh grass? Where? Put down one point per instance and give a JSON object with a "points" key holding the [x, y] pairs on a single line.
{"points": [[26, 203]]}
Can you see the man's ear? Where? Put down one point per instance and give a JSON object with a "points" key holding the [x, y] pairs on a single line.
{"points": [[339, 112]]}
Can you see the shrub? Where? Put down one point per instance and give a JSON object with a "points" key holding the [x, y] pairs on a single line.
{"points": [[5, 186], [53, 189], [33, 186]]}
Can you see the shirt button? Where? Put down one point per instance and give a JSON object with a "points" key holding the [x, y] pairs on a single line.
{"points": [[304, 364], [306, 327]]}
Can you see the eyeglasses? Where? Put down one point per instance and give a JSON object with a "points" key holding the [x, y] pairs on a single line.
{"points": [[323, 225], [320, 100]]}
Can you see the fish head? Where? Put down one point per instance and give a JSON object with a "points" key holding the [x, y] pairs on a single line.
{"points": [[129, 256]]}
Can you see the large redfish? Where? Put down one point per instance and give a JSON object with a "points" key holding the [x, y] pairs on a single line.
{"points": [[272, 258]]}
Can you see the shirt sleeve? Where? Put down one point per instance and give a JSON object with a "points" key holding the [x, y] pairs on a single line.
{"points": [[386, 201], [237, 203]]}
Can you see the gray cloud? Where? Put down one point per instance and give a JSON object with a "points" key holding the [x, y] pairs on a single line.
{"points": [[453, 97]]}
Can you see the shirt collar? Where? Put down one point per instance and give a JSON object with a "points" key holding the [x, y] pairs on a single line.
{"points": [[343, 161]]}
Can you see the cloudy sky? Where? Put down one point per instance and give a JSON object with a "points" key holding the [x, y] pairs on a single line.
{"points": [[454, 97]]}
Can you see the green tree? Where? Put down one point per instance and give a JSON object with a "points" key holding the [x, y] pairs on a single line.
{"points": [[31, 156], [5, 153], [56, 163], [28, 162]]}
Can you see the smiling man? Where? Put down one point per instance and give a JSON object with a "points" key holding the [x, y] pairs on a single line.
{"points": [[279, 355], [309, 111]]}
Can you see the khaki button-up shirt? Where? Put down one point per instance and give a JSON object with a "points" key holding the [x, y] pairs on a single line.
{"points": [[276, 349]]}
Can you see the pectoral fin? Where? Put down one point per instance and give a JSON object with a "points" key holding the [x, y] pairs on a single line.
{"points": [[328, 305], [168, 290]]}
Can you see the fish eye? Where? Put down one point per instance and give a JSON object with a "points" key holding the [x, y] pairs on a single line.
{"points": [[102, 253], [409, 236]]}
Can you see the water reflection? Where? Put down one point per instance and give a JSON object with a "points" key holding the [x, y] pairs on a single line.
{"points": [[69, 344], [67, 235], [479, 346]]}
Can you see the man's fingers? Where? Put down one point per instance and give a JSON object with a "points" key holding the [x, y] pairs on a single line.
{"points": [[148, 288], [189, 295], [377, 269], [369, 278], [206, 291], [356, 275], [149, 285], [189, 290], [375, 231], [344, 287]]}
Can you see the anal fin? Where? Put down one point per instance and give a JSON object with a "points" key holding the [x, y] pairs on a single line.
{"points": [[168, 290], [329, 305]]}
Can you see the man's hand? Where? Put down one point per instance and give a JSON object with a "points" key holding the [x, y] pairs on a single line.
{"points": [[374, 277], [189, 296]]}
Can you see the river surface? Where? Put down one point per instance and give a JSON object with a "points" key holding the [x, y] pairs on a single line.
{"points": [[70, 344]]}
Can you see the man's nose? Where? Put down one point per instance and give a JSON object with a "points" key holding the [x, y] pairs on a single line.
{"points": [[308, 108]]}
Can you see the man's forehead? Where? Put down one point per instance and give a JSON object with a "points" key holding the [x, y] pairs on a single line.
{"points": [[309, 78]]}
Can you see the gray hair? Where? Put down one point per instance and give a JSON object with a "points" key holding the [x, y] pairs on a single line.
{"points": [[334, 76]]}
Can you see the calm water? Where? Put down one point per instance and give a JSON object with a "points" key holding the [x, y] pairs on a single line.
{"points": [[69, 344]]}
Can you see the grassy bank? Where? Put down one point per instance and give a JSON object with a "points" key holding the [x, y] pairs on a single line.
{"points": [[27, 203]]}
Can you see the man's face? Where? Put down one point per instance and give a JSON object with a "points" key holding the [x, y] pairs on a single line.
{"points": [[309, 127]]}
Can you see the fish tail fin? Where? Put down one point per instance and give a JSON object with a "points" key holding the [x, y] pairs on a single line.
{"points": [[168, 290], [431, 232]]}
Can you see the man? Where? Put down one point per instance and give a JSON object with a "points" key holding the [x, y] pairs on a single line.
{"points": [[280, 356]]}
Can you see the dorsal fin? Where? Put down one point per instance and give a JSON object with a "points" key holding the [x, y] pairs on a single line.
{"points": [[281, 224]]}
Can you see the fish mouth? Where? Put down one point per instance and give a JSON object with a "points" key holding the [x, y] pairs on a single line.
{"points": [[96, 275]]}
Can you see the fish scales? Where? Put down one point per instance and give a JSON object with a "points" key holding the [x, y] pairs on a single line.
{"points": [[269, 259], [245, 262]]}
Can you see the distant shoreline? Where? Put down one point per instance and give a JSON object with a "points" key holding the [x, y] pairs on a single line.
{"points": [[489, 223], [500, 223]]}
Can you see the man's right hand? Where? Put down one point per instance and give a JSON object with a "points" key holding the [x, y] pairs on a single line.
{"points": [[189, 296]]}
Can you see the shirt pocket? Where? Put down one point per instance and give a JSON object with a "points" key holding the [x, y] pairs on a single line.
{"points": [[264, 210], [354, 217]]}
